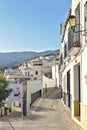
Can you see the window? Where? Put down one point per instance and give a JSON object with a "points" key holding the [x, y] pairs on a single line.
{"points": [[65, 50], [25, 73], [70, 39], [28, 73], [85, 18], [36, 72], [85, 14], [17, 92]]}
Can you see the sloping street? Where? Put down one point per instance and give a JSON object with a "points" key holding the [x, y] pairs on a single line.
{"points": [[48, 113]]}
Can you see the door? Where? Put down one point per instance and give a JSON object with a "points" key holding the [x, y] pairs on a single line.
{"points": [[79, 95], [68, 88]]}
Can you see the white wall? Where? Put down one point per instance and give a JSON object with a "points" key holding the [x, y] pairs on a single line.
{"points": [[13, 98], [48, 83], [55, 74], [32, 87], [74, 5], [84, 77], [34, 69]]}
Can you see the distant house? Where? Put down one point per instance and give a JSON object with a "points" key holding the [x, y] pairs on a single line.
{"points": [[16, 100], [34, 68], [31, 69]]}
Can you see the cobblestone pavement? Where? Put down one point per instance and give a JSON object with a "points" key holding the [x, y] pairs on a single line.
{"points": [[47, 114]]}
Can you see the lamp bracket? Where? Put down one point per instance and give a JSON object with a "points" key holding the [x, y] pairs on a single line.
{"points": [[73, 28]]}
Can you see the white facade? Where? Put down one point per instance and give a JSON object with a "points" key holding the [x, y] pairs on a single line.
{"points": [[35, 67], [16, 97], [73, 67], [16, 83], [55, 74], [48, 83]]}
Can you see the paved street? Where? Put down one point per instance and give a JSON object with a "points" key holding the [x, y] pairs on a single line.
{"points": [[46, 114]]}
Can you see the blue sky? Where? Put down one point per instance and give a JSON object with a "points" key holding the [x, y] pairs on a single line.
{"points": [[31, 25]]}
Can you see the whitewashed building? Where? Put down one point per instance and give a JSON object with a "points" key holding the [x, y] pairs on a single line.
{"points": [[73, 66], [55, 74], [35, 67], [17, 99]]}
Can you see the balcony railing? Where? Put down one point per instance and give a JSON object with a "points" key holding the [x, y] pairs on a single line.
{"points": [[73, 44], [74, 48]]}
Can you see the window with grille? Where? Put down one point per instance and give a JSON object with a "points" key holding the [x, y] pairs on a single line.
{"points": [[85, 18]]}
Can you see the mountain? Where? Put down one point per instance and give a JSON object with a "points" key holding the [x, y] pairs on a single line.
{"points": [[15, 58], [55, 52]]}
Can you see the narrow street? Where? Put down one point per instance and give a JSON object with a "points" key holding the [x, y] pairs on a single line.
{"points": [[47, 114]]}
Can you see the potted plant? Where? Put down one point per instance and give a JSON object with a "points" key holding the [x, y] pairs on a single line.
{"points": [[76, 44]]}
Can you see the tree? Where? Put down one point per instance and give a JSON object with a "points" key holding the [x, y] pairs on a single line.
{"points": [[4, 90]]}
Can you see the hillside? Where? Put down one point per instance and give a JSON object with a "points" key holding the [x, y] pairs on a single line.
{"points": [[15, 58]]}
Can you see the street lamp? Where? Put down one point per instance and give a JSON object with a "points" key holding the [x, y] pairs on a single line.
{"points": [[72, 22]]}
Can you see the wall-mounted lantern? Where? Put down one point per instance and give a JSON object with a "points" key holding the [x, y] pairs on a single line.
{"points": [[72, 22]]}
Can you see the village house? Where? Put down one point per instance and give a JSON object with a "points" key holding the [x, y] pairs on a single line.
{"points": [[73, 57], [17, 99], [44, 68]]}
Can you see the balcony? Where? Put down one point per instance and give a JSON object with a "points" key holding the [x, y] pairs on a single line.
{"points": [[74, 48]]}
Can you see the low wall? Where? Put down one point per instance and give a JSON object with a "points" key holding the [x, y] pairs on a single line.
{"points": [[48, 83], [34, 91]]}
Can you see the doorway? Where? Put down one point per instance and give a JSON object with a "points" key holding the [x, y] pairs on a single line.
{"points": [[77, 91], [68, 88]]}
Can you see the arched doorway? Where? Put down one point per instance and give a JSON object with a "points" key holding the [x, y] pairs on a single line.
{"points": [[17, 109]]}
